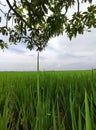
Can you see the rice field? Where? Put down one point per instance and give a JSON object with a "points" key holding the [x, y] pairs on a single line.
{"points": [[62, 100]]}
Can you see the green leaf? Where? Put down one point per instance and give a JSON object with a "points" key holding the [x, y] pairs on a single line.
{"points": [[90, 1], [3, 44], [45, 9]]}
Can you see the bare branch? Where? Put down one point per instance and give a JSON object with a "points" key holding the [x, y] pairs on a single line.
{"points": [[2, 4], [2, 11], [78, 6]]}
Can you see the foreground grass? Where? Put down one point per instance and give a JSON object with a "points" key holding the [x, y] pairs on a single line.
{"points": [[54, 101]]}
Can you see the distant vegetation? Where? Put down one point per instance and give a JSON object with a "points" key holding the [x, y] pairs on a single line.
{"points": [[48, 100]]}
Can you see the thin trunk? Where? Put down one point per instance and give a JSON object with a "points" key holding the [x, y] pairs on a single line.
{"points": [[38, 62], [38, 75]]}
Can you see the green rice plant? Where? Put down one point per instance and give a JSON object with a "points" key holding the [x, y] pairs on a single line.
{"points": [[4, 117], [79, 120], [23, 107], [93, 107], [52, 100], [87, 113], [54, 118], [92, 112], [72, 110]]}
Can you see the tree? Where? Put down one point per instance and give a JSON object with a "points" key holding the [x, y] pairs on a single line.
{"points": [[36, 21]]}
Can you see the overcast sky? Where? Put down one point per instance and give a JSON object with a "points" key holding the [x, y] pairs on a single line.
{"points": [[60, 54]]}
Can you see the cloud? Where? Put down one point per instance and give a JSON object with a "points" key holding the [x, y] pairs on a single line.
{"points": [[14, 60], [76, 54], [60, 54]]}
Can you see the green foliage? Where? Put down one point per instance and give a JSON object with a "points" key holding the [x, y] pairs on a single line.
{"points": [[3, 31], [75, 25], [3, 44], [36, 21]]}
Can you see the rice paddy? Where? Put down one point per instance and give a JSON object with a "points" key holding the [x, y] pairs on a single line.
{"points": [[48, 100]]}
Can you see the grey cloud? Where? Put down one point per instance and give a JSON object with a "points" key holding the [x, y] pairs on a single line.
{"points": [[17, 51], [60, 54]]}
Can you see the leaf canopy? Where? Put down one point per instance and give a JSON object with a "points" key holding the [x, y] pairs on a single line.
{"points": [[36, 21]]}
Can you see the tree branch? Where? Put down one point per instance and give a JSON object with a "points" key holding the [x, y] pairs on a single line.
{"points": [[18, 15], [78, 6]]}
